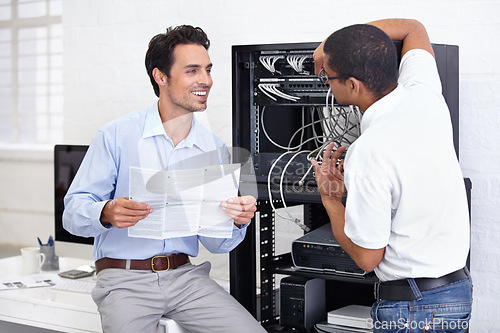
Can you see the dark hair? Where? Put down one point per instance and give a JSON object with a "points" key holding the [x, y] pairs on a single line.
{"points": [[160, 52], [366, 53]]}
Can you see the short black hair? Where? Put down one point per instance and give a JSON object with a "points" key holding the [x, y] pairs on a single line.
{"points": [[160, 52], [366, 53]]}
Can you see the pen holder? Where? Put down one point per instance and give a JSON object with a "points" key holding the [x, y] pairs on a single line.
{"points": [[51, 262]]}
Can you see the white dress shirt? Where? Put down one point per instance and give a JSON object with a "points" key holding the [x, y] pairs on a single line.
{"points": [[405, 188]]}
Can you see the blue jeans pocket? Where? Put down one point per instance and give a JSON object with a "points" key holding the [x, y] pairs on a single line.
{"points": [[450, 321], [389, 317]]}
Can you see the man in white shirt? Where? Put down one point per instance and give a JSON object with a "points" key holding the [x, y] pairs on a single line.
{"points": [[406, 213]]}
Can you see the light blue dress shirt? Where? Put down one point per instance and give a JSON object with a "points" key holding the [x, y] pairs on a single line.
{"points": [[138, 139]]}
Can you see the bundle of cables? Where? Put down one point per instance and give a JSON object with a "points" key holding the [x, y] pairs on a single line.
{"points": [[269, 61], [297, 62], [339, 124], [270, 89]]}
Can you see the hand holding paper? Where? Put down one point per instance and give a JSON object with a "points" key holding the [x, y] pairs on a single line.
{"points": [[240, 209], [123, 213]]}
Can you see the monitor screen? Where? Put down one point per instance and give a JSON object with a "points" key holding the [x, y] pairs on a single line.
{"points": [[67, 159]]}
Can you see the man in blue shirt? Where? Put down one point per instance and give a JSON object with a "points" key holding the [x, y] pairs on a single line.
{"points": [[140, 280]]}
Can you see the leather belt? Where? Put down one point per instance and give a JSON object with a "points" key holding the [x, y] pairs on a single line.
{"points": [[155, 264], [400, 290]]}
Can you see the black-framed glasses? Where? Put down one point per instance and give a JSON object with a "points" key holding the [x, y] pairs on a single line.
{"points": [[325, 78]]}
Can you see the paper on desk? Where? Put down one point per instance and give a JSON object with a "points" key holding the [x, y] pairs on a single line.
{"points": [[184, 202], [29, 281]]}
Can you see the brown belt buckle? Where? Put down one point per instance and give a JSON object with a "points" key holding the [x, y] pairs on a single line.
{"points": [[153, 264]]}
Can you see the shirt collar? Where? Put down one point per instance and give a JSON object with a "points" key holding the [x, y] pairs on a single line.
{"points": [[152, 124], [387, 104], [197, 135]]}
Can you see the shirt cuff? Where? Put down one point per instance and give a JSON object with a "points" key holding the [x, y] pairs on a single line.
{"points": [[241, 226], [95, 212]]}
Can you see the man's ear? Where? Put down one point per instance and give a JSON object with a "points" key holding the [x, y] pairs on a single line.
{"points": [[355, 85], [159, 76]]}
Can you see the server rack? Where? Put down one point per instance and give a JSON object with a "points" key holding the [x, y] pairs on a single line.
{"points": [[268, 65]]}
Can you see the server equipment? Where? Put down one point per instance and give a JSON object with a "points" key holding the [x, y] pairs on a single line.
{"points": [[318, 250], [302, 302], [283, 115]]}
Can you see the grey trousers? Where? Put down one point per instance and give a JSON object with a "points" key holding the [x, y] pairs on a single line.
{"points": [[134, 301]]}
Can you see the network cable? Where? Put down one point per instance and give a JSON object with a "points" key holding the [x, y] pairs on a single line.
{"points": [[339, 124], [269, 61], [296, 62], [301, 129], [295, 220], [271, 90]]}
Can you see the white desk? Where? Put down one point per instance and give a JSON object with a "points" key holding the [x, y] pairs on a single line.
{"points": [[52, 309]]}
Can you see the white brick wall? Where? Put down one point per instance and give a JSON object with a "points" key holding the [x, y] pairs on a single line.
{"points": [[105, 43]]}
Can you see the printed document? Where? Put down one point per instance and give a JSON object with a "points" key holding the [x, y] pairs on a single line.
{"points": [[184, 202], [29, 281]]}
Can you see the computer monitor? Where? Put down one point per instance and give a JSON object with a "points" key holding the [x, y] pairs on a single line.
{"points": [[67, 160]]}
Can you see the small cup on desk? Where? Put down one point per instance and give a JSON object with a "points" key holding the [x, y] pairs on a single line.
{"points": [[51, 262], [32, 260]]}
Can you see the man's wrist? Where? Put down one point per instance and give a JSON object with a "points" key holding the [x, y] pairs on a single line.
{"points": [[331, 199], [102, 218]]}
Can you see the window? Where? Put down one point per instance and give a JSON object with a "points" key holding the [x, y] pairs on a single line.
{"points": [[31, 83]]}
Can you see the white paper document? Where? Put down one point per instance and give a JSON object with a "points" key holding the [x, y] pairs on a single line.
{"points": [[29, 281], [184, 202]]}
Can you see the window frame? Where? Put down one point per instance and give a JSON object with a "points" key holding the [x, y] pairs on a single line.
{"points": [[16, 24]]}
